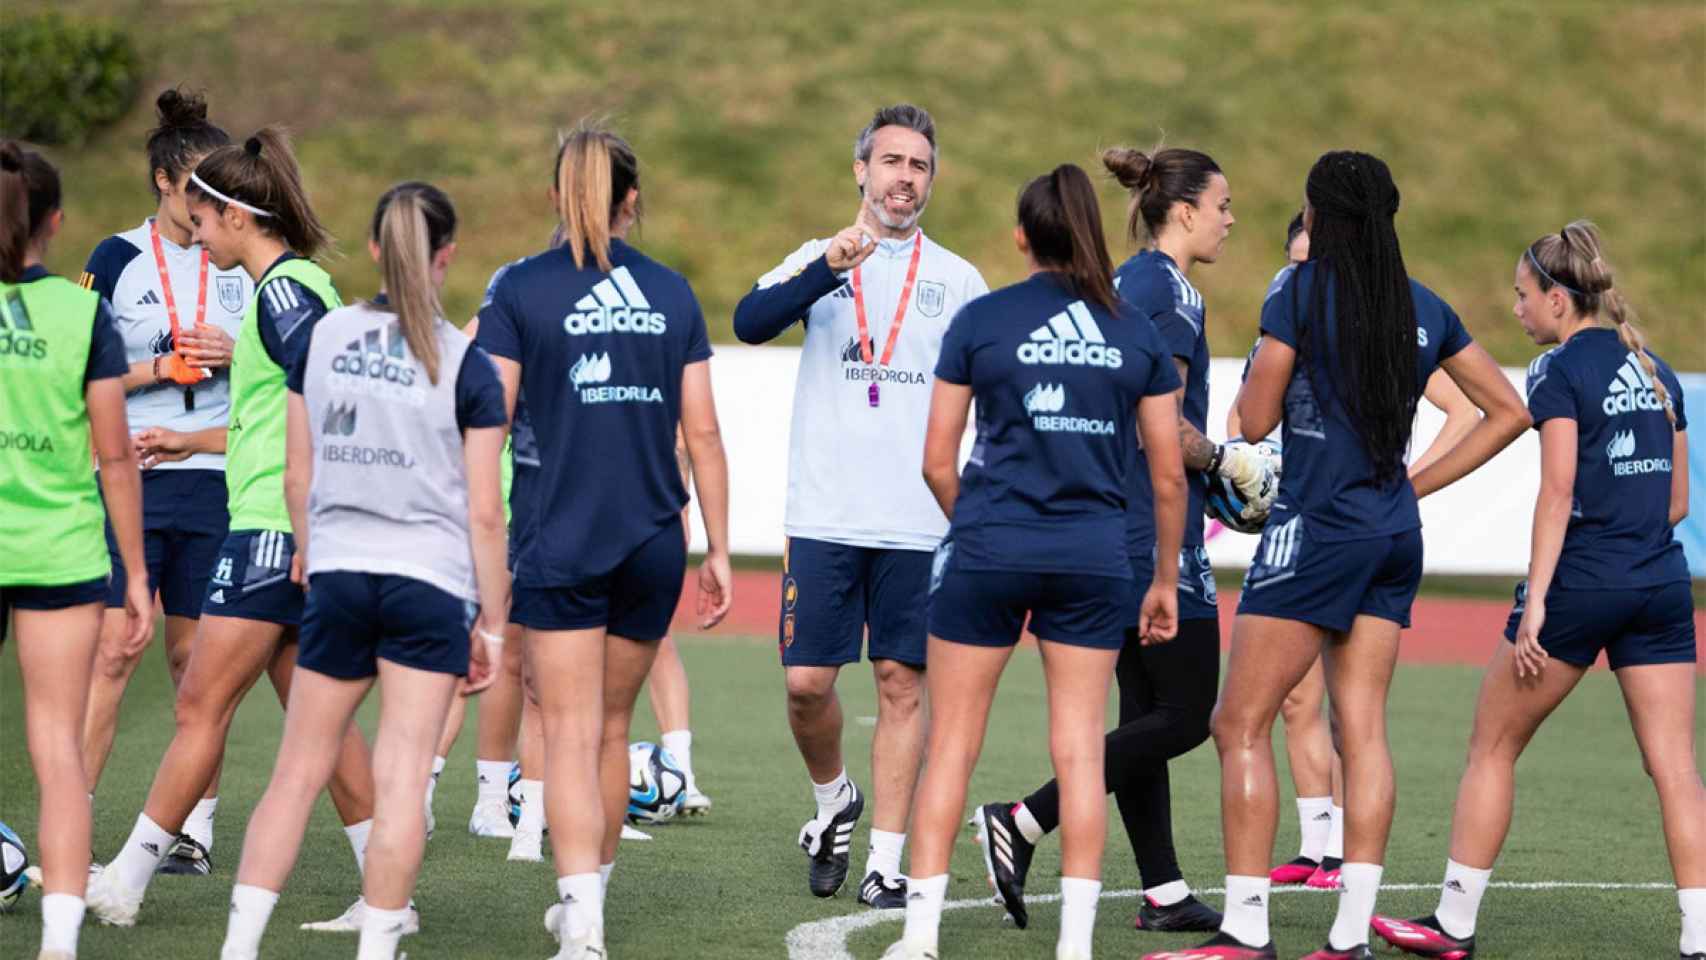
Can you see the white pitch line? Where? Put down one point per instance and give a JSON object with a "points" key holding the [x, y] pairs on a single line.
{"points": [[827, 939]]}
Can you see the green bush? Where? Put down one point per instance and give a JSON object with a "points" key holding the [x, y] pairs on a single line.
{"points": [[60, 80]]}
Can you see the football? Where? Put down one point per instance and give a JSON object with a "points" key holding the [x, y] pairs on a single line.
{"points": [[656, 785], [1224, 503], [14, 860]]}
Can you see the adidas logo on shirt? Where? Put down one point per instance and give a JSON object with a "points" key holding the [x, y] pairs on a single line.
{"points": [[1070, 337], [1621, 447], [615, 305], [1630, 390], [148, 298], [377, 356]]}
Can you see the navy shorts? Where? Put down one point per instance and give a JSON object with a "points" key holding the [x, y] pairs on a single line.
{"points": [[251, 579], [636, 600], [353, 620], [832, 592], [1636, 627], [1296, 577], [987, 608], [49, 598], [184, 523]]}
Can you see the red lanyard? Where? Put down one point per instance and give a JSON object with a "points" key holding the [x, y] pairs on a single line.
{"points": [[166, 284], [899, 310]]}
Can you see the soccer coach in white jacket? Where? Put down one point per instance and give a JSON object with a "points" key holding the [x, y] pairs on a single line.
{"points": [[876, 299]]}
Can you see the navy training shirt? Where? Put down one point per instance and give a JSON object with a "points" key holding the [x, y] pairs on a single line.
{"points": [[1620, 534], [1328, 476], [1057, 381], [523, 446], [1153, 284], [601, 359]]}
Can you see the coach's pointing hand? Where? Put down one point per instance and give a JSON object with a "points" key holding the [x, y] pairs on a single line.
{"points": [[849, 248]]}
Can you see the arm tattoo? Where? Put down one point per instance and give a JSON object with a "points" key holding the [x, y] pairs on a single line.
{"points": [[1198, 449]]}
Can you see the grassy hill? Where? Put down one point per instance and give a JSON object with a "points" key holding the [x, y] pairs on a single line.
{"points": [[1501, 121]]}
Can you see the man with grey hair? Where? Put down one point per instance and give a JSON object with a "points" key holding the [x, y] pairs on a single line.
{"points": [[875, 299]]}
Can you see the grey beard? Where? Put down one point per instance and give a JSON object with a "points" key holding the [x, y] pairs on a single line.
{"points": [[898, 223]]}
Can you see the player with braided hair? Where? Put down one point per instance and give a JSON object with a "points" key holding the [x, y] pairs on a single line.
{"points": [[1349, 339]]}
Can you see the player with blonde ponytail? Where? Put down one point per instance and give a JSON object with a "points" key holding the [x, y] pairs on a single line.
{"points": [[1605, 573]]}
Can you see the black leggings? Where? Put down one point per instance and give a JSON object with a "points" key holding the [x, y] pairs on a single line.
{"points": [[1167, 692]]}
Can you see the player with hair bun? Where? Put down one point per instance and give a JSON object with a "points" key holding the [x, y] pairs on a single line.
{"points": [[179, 316], [249, 210], [1606, 572], [61, 362], [1348, 341]]}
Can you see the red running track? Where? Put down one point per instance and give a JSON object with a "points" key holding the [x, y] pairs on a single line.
{"points": [[1442, 630]]}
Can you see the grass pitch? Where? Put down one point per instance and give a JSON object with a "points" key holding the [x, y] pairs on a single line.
{"points": [[733, 884]]}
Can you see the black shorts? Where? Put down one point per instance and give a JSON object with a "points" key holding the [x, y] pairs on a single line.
{"points": [[831, 594], [1635, 627], [184, 523], [57, 597], [251, 579], [1330, 584], [636, 600], [354, 620]]}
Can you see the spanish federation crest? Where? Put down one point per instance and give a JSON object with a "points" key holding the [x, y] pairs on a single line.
{"points": [[230, 291], [931, 296]]}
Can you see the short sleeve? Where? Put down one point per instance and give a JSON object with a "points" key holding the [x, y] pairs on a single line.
{"points": [[1178, 334], [287, 311], [953, 365], [297, 373], [479, 392], [106, 263], [1277, 319], [1455, 337], [698, 338], [1163, 376], [1673, 390], [106, 347], [1550, 393], [500, 320]]}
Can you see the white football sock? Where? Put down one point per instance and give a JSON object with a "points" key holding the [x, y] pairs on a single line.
{"points": [[251, 908], [1692, 900], [199, 825], [884, 854], [532, 806], [1460, 899], [1315, 818], [357, 834], [1246, 915], [1029, 828], [491, 779], [61, 921], [829, 798], [1167, 894], [583, 904], [380, 932], [1078, 913], [924, 896], [1359, 885], [136, 861], [679, 743], [604, 872], [1336, 835]]}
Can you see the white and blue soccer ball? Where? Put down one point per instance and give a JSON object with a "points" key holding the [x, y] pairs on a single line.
{"points": [[14, 861], [656, 785]]}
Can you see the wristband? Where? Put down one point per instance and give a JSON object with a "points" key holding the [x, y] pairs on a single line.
{"points": [[493, 638]]}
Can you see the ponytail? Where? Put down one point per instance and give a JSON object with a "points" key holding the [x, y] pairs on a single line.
{"points": [[1063, 225], [29, 194], [595, 171], [1573, 259], [413, 222], [261, 177]]}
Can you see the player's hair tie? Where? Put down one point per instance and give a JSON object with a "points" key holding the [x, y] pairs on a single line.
{"points": [[252, 146], [222, 198], [1535, 262], [9, 163]]}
